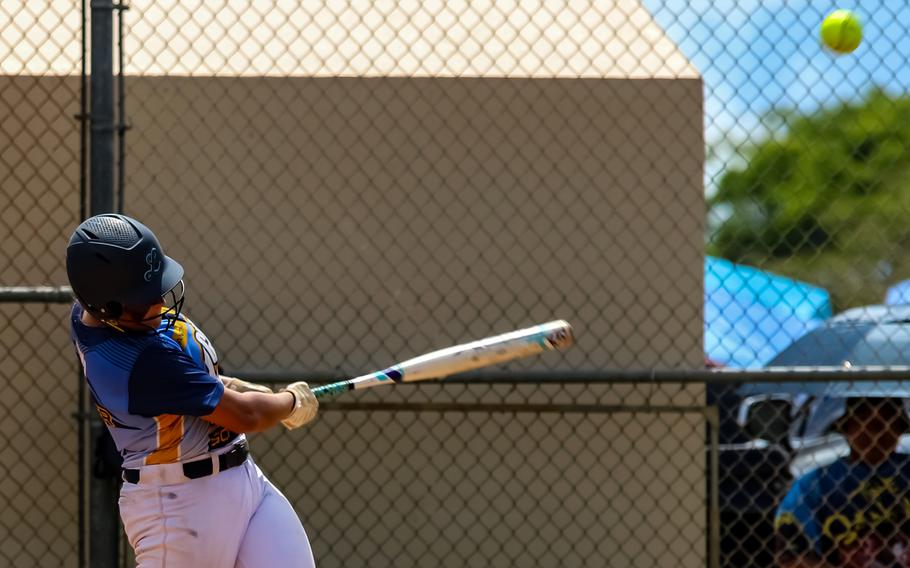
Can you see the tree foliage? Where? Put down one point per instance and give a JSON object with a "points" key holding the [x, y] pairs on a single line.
{"points": [[827, 201]]}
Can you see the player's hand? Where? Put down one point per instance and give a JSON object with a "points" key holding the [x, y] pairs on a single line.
{"points": [[238, 385], [305, 405]]}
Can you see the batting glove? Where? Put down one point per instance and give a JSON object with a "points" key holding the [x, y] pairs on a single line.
{"points": [[305, 405], [238, 385]]}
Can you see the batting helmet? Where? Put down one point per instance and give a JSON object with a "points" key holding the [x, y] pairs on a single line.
{"points": [[114, 260]]}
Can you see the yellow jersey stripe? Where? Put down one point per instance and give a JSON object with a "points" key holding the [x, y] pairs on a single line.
{"points": [[170, 434]]}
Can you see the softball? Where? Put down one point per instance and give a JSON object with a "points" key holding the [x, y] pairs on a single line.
{"points": [[841, 31]]}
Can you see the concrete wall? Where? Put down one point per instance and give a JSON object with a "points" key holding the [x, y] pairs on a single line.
{"points": [[366, 219], [39, 205]]}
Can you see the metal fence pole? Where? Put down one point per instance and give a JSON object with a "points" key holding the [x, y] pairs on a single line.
{"points": [[104, 530], [713, 421], [101, 169], [122, 126], [81, 413]]}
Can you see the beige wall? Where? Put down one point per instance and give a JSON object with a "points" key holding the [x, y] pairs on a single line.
{"points": [[367, 219], [39, 205], [343, 223]]}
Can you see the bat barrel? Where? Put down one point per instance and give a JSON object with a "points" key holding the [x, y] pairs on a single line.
{"points": [[554, 335]]}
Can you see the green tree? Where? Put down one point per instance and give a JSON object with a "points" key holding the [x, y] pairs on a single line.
{"points": [[826, 201]]}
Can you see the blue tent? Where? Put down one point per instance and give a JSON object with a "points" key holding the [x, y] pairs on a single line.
{"points": [[898, 294], [751, 315]]}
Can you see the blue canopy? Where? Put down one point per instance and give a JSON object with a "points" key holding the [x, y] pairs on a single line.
{"points": [[751, 315], [898, 294]]}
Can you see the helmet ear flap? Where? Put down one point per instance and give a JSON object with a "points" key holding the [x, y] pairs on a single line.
{"points": [[111, 310]]}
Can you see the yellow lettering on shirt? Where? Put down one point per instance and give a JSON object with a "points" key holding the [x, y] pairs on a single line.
{"points": [[105, 415], [180, 333]]}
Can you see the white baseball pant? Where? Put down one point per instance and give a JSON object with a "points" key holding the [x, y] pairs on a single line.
{"points": [[235, 518]]}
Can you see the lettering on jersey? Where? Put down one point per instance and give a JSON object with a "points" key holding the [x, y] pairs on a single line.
{"points": [[195, 343], [210, 358], [105, 415], [874, 508], [220, 437], [108, 418], [179, 332]]}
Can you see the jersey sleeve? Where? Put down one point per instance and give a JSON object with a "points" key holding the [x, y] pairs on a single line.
{"points": [[795, 525], [165, 380]]}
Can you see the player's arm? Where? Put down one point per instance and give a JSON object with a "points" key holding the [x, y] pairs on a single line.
{"points": [[165, 380], [795, 528], [251, 411], [239, 385], [255, 411]]}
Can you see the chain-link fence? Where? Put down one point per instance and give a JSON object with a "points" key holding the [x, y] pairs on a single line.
{"points": [[39, 472], [349, 184], [559, 474], [39, 203]]}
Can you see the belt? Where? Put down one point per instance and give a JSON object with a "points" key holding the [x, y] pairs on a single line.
{"points": [[201, 468]]}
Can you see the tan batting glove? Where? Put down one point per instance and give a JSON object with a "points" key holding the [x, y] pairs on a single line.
{"points": [[238, 385], [305, 405]]}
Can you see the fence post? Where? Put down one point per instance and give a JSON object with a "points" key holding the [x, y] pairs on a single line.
{"points": [[101, 167], [104, 528], [712, 416]]}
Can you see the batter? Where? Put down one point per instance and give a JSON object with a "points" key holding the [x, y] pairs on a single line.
{"points": [[191, 495]]}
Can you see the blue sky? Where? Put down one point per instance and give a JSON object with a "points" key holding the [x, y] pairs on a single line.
{"points": [[755, 56]]}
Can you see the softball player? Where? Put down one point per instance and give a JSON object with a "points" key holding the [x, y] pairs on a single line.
{"points": [[191, 495], [854, 511]]}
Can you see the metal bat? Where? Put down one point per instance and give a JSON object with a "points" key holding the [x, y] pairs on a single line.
{"points": [[461, 358]]}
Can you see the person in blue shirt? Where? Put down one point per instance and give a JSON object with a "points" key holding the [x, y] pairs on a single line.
{"points": [[854, 512], [191, 495]]}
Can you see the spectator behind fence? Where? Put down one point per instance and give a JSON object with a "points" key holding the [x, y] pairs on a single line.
{"points": [[854, 512]]}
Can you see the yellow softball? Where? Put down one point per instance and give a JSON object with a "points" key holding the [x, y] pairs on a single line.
{"points": [[841, 31]]}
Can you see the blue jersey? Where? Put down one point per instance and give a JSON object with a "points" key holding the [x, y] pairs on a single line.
{"points": [[151, 388], [845, 506]]}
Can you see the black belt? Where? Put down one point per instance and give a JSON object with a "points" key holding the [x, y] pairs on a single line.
{"points": [[201, 468]]}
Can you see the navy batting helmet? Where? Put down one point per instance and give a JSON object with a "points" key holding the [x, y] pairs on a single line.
{"points": [[114, 260]]}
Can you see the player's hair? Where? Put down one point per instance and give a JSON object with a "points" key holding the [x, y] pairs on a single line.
{"points": [[114, 261], [855, 405]]}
